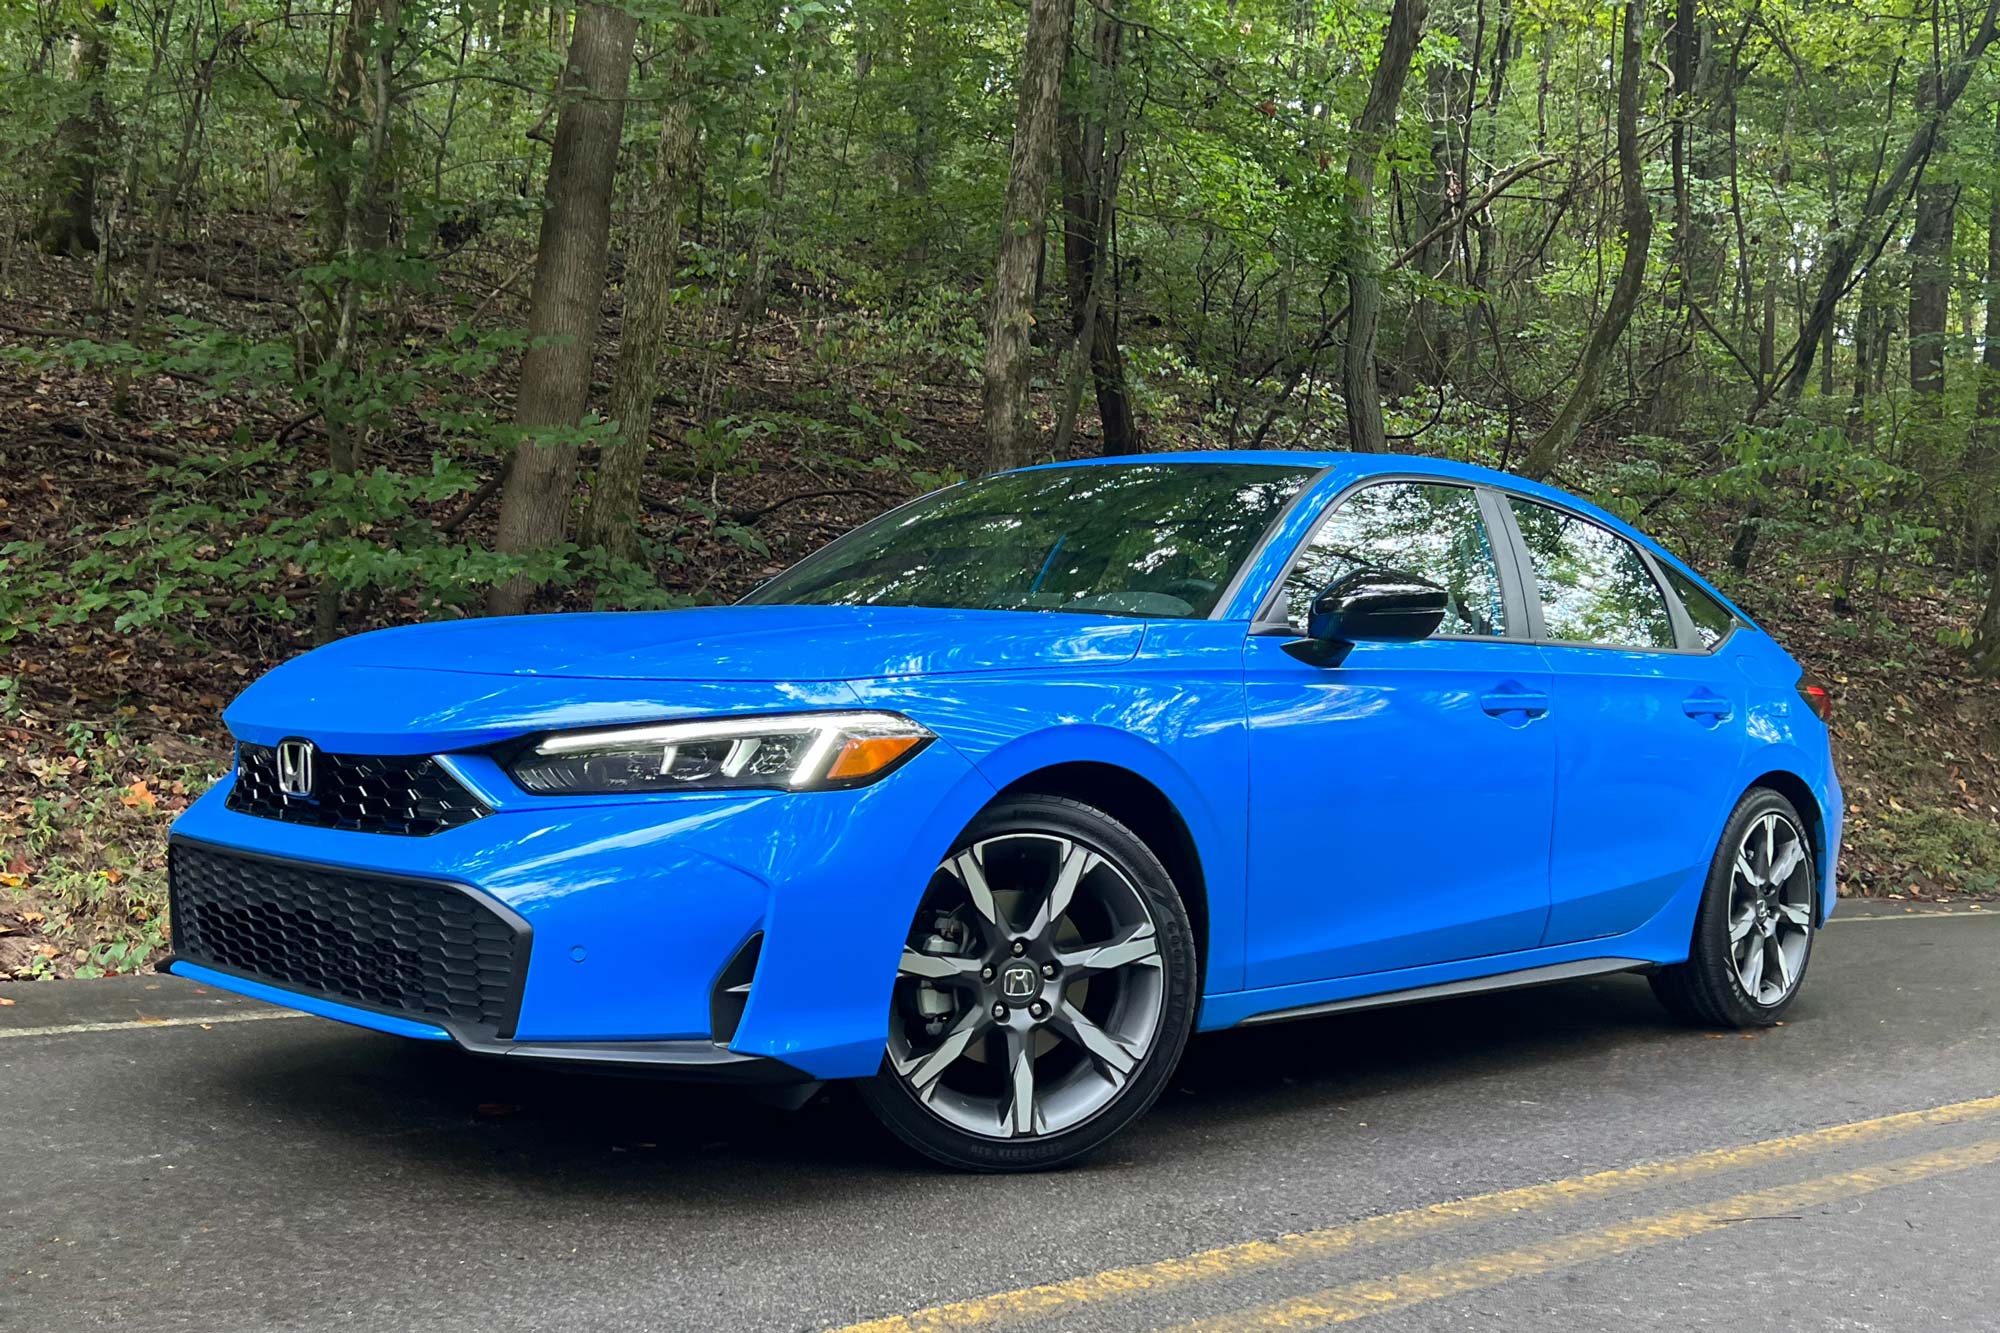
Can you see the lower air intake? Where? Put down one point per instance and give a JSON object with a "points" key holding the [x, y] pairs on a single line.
{"points": [[421, 949]]}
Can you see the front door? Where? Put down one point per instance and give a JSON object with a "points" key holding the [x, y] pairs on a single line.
{"points": [[1399, 802]]}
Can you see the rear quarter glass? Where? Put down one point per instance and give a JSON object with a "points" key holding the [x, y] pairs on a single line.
{"points": [[1711, 619]]}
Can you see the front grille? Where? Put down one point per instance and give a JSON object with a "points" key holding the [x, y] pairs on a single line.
{"points": [[419, 948], [362, 793]]}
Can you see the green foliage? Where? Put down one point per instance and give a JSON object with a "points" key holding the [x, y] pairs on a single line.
{"points": [[86, 840], [320, 327], [1834, 503], [1946, 845]]}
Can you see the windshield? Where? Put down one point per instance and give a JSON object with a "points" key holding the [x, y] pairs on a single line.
{"points": [[1159, 540]]}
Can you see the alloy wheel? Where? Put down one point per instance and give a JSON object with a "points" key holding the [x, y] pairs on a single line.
{"points": [[1770, 908], [1031, 989]]}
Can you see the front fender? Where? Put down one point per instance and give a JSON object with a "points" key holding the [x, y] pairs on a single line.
{"points": [[1182, 732]]}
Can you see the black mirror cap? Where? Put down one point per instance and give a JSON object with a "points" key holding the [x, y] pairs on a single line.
{"points": [[1377, 605]]}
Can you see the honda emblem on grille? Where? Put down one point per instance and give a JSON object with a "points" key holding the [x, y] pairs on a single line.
{"points": [[295, 768]]}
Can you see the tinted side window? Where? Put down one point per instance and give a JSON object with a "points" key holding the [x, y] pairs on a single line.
{"points": [[1415, 528], [1712, 620], [1595, 587]]}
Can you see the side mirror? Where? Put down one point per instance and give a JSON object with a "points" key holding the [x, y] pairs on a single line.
{"points": [[1370, 605]]}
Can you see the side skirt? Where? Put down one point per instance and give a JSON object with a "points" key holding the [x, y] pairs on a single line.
{"points": [[1533, 976]]}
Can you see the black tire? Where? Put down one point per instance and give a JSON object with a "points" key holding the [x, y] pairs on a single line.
{"points": [[906, 1115], [1708, 990]]}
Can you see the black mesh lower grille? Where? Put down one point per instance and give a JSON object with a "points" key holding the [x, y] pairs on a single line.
{"points": [[362, 793], [426, 950]]}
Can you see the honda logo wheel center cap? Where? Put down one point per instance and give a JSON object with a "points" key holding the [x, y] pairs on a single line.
{"points": [[1019, 982]]}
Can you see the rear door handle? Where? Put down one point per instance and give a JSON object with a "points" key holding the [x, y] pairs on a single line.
{"points": [[1711, 708], [1511, 698]]}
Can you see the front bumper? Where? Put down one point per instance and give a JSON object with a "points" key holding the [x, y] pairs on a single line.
{"points": [[694, 1058], [636, 907]]}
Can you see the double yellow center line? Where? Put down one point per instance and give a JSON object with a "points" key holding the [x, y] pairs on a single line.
{"points": [[1358, 1300], [1347, 1303]]}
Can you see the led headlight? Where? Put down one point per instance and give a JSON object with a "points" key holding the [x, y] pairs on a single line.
{"points": [[801, 751]]}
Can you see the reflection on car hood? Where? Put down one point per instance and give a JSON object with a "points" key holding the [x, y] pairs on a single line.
{"points": [[748, 643], [469, 683]]}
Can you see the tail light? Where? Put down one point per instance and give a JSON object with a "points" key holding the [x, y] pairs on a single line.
{"points": [[1817, 697]]}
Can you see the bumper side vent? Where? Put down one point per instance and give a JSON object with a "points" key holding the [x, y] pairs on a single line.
{"points": [[731, 995]]}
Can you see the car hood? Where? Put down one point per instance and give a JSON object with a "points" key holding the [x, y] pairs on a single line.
{"points": [[430, 688], [769, 643]]}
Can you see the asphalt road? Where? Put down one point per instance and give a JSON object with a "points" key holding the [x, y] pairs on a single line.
{"points": [[171, 1158]]}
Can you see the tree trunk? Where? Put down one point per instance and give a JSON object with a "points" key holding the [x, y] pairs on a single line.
{"points": [[1114, 397], [1777, 255], [757, 280], [1023, 232], [177, 185], [652, 256], [352, 164], [1636, 218], [1362, 263], [1846, 246], [68, 221], [1930, 265], [1427, 337], [1092, 161], [1864, 335], [1685, 46], [567, 302], [1986, 646], [1983, 460]]}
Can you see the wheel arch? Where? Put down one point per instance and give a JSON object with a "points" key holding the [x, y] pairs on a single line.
{"points": [[1141, 806], [1799, 792]]}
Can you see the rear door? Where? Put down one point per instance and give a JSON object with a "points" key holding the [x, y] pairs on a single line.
{"points": [[1399, 802], [1649, 725]]}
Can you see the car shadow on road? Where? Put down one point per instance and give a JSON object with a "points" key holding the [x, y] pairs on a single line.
{"points": [[419, 1107], [1534, 1034]]}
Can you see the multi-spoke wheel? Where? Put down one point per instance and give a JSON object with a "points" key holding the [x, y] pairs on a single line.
{"points": [[1044, 995], [1754, 931]]}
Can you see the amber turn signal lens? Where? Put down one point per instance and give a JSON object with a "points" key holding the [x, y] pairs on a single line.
{"points": [[865, 755]]}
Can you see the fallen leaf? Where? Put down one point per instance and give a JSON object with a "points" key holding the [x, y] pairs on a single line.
{"points": [[4, 1002], [137, 797]]}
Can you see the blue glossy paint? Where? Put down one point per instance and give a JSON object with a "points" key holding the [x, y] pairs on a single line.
{"points": [[1629, 750], [1405, 823], [1387, 823]]}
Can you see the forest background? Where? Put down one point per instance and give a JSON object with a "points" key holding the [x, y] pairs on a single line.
{"points": [[323, 315]]}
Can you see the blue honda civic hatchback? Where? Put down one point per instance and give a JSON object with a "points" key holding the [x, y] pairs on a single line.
{"points": [[992, 802]]}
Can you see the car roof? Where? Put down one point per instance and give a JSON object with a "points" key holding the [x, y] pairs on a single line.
{"points": [[1347, 467], [1347, 464]]}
